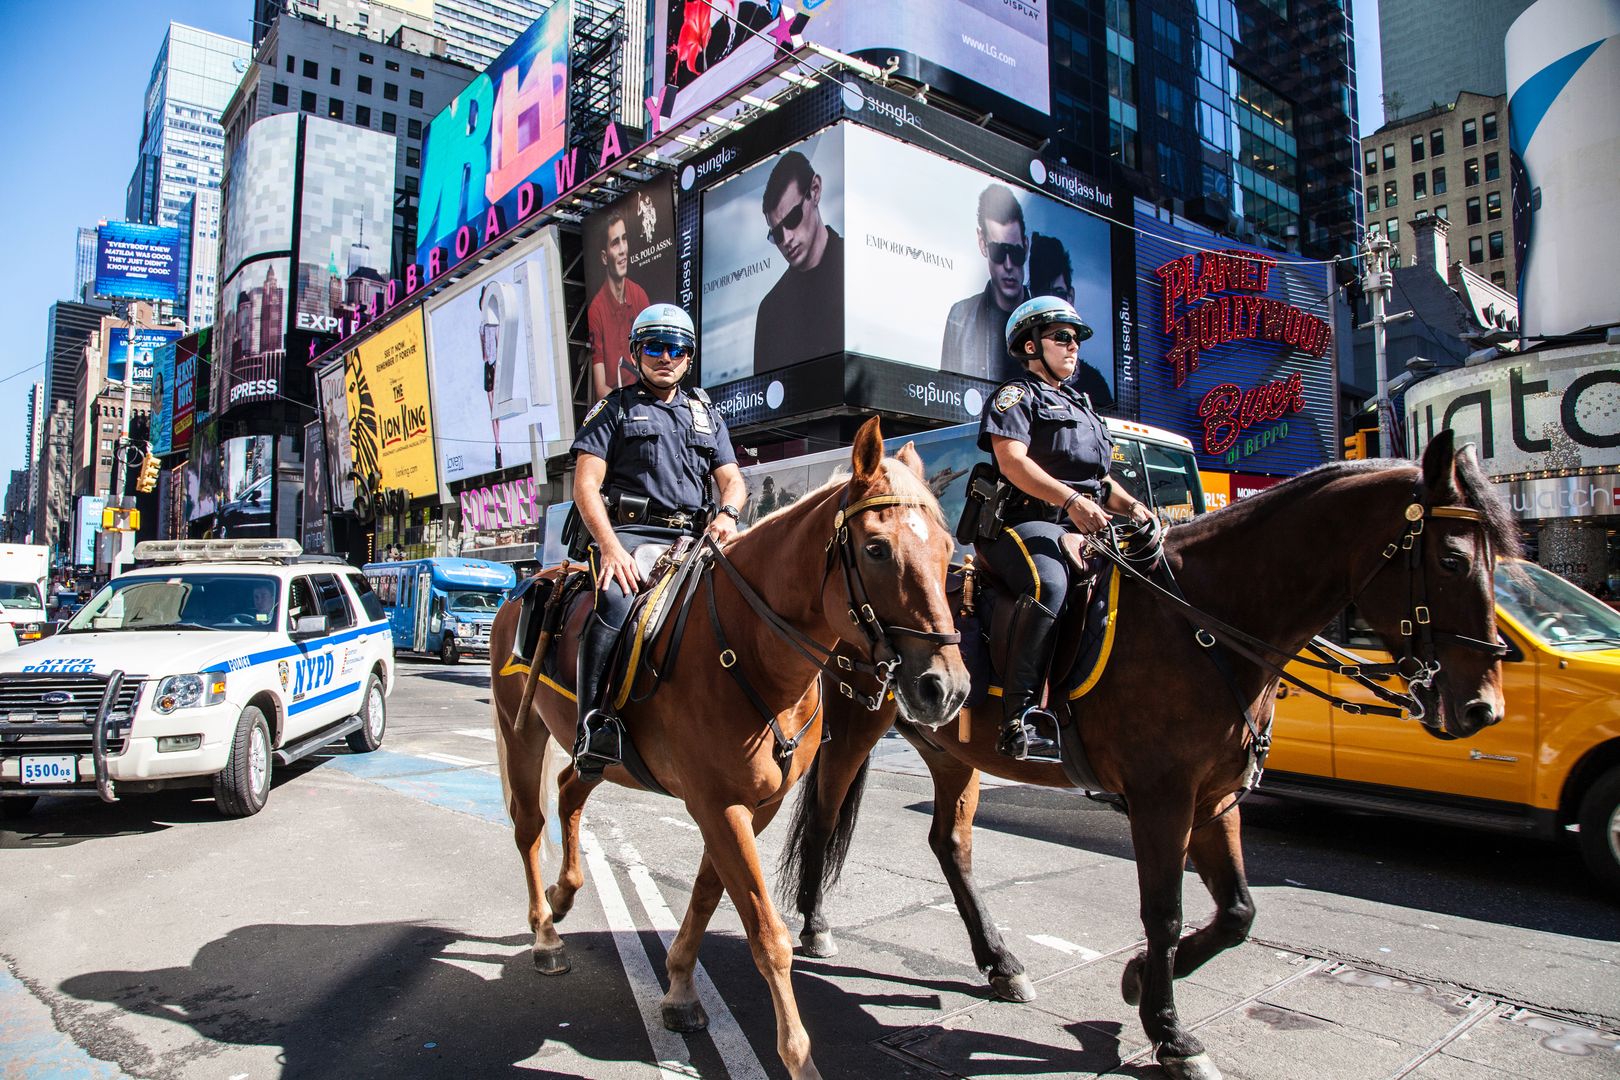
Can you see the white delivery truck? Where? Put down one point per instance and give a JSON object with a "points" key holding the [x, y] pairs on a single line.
{"points": [[24, 571]]}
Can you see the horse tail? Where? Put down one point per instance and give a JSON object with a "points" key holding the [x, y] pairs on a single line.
{"points": [[825, 866]]}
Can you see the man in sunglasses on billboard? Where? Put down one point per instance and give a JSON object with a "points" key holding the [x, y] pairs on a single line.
{"points": [[973, 331], [643, 461], [802, 317]]}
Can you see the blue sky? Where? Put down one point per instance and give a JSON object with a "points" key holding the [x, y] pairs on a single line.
{"points": [[74, 77]]}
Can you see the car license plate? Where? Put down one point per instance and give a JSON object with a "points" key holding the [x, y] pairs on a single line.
{"points": [[61, 769]]}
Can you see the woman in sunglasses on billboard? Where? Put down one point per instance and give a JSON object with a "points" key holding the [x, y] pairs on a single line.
{"points": [[1054, 451]]}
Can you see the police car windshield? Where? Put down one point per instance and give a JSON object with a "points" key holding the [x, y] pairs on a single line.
{"points": [[182, 601], [475, 601]]}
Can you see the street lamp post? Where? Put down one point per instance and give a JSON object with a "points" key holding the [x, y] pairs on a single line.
{"points": [[1376, 282]]}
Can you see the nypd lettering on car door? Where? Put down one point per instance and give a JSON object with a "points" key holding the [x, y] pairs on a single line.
{"points": [[311, 673]]}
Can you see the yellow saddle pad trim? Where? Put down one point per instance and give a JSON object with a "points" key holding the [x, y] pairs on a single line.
{"points": [[1108, 640], [649, 612]]}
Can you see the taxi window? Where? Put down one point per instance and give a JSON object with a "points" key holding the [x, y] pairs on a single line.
{"points": [[334, 605], [368, 599]]}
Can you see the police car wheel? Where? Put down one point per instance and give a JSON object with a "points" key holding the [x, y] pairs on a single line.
{"points": [[1600, 830], [17, 808], [242, 787], [373, 717], [450, 652]]}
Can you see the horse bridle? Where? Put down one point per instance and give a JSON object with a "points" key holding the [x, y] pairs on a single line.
{"points": [[879, 635]]}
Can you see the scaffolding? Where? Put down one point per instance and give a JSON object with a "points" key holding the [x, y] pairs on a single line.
{"points": [[596, 75]]}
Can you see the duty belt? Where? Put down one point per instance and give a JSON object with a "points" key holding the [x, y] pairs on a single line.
{"points": [[627, 512], [1021, 508]]}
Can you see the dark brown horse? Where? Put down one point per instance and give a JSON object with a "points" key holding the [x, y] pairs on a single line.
{"points": [[708, 744], [1160, 725]]}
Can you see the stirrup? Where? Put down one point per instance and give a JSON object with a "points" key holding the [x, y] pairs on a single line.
{"points": [[600, 744], [1023, 741]]}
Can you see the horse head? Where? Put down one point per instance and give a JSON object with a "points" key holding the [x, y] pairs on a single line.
{"points": [[895, 548], [1435, 601]]}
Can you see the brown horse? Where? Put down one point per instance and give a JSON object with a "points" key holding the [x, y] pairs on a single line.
{"points": [[706, 734], [1161, 727]]}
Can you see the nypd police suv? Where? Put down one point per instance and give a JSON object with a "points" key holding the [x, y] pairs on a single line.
{"points": [[210, 664]]}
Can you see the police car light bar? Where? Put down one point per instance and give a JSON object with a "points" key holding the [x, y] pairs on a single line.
{"points": [[166, 551]]}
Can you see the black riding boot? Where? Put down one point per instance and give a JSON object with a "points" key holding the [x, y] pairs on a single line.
{"points": [[597, 745], [1029, 652]]}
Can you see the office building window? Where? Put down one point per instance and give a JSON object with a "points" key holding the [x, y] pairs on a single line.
{"points": [[391, 65], [366, 58], [416, 99], [306, 101], [1476, 250], [1389, 157], [1437, 142], [1372, 197], [334, 109], [1470, 132], [337, 77], [413, 129], [1471, 172], [1439, 184], [312, 70], [1372, 163], [1442, 213], [1493, 166], [413, 158], [1499, 278], [290, 63], [1417, 148], [418, 73], [1374, 229], [1420, 186], [1391, 195], [1488, 123], [1496, 245], [364, 83], [1392, 229], [1493, 205], [390, 92], [362, 115], [278, 93], [1472, 207], [389, 122]]}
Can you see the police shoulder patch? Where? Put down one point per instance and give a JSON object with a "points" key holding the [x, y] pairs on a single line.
{"points": [[598, 407], [1008, 396]]}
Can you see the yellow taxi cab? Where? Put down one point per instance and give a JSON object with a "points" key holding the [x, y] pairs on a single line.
{"points": [[1551, 766]]}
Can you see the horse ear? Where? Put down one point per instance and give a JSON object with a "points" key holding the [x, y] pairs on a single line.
{"points": [[1440, 463], [868, 452], [911, 459]]}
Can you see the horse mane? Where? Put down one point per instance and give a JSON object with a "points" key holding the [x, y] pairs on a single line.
{"points": [[1477, 491], [902, 482]]}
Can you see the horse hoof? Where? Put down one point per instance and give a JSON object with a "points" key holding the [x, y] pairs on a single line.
{"points": [[1197, 1067], [1130, 984], [559, 908], [1012, 987], [552, 961], [819, 944], [688, 1017]]}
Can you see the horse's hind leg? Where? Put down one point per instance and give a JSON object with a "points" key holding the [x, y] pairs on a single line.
{"points": [[571, 798], [523, 764], [1217, 851], [956, 800], [682, 1011]]}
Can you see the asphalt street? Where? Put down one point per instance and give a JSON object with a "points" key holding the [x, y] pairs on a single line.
{"points": [[371, 922]]}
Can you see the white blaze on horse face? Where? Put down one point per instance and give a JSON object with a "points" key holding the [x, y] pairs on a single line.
{"points": [[915, 522]]}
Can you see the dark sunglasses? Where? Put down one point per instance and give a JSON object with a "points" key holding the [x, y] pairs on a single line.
{"points": [[1063, 337], [789, 222], [659, 348], [1000, 253]]}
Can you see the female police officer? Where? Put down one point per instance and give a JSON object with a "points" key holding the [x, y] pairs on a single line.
{"points": [[643, 459], [1051, 447]]}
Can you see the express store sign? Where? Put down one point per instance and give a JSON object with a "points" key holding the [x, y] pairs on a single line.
{"points": [[1236, 350]]}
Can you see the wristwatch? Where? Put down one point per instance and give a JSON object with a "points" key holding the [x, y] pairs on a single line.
{"points": [[736, 515]]}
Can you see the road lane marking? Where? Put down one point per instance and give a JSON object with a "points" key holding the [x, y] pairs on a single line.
{"points": [[452, 759], [33, 1046], [678, 823], [1068, 948], [476, 733]]}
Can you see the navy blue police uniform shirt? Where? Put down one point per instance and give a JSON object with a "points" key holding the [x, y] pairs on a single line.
{"points": [[1065, 437], [663, 451]]}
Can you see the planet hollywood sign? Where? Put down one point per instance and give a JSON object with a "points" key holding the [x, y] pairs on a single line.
{"points": [[1213, 298]]}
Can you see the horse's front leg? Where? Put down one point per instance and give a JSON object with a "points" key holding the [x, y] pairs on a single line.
{"points": [[682, 1011], [956, 801], [728, 833], [1217, 851], [571, 797], [1159, 832], [523, 764]]}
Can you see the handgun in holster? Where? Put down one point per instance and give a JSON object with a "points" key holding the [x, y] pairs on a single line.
{"points": [[982, 512]]}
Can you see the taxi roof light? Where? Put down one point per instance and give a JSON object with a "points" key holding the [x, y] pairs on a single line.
{"points": [[166, 551]]}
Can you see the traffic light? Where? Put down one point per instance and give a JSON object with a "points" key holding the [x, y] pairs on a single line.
{"points": [[151, 464], [1363, 444]]}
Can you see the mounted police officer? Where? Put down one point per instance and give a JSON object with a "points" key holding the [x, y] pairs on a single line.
{"points": [[643, 460], [1055, 451]]}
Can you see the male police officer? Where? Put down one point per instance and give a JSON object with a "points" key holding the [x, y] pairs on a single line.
{"points": [[643, 459]]}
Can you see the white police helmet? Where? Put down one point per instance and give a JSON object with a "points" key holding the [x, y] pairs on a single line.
{"points": [[664, 323], [1036, 314]]}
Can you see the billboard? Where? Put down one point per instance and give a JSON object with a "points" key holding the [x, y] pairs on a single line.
{"points": [[335, 431], [1236, 350], [162, 419], [499, 342], [257, 196], [852, 241], [250, 337], [345, 222], [702, 50], [390, 418], [137, 262], [247, 485], [142, 345], [508, 126], [314, 511], [202, 473], [630, 262], [190, 365], [86, 523]]}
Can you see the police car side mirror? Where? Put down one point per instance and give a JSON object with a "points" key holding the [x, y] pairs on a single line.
{"points": [[306, 626]]}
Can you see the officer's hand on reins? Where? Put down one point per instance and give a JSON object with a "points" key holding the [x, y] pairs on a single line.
{"points": [[618, 566], [1087, 516], [722, 528]]}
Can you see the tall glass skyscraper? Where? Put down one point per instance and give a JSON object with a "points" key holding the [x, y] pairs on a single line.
{"points": [[182, 145]]}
